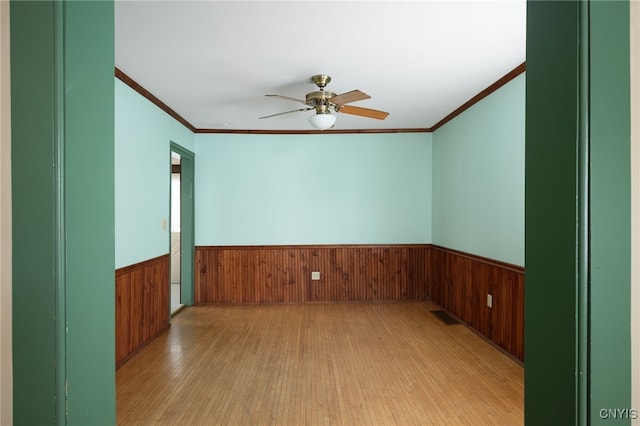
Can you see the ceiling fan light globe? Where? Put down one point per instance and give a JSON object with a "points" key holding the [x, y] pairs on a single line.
{"points": [[322, 121]]}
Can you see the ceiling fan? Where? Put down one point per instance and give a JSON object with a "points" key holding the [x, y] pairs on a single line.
{"points": [[323, 102]]}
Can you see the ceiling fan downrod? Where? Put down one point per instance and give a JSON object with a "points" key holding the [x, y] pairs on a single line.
{"points": [[321, 80]]}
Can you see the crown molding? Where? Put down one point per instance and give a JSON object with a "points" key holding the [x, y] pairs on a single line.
{"points": [[152, 98], [483, 94], [477, 98], [313, 132]]}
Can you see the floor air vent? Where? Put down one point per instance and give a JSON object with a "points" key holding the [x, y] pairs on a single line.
{"points": [[445, 317]]}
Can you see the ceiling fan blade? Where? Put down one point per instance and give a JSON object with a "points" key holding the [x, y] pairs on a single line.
{"points": [[286, 112], [352, 96], [287, 98], [365, 112]]}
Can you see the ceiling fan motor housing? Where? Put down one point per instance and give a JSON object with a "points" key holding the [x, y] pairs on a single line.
{"points": [[320, 100]]}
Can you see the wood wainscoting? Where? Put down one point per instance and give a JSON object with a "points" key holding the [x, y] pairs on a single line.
{"points": [[460, 283], [142, 305], [281, 274]]}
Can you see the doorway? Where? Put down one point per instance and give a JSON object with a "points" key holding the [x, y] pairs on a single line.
{"points": [[175, 281], [182, 228]]}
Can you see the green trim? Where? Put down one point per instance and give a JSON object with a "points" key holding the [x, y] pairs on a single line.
{"points": [[60, 280], [62, 201], [577, 310], [582, 302], [34, 262], [89, 212], [610, 212], [551, 213], [187, 226]]}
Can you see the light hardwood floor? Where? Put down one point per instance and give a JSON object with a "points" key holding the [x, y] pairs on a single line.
{"points": [[319, 364]]}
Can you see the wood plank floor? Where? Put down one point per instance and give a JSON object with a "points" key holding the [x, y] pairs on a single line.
{"points": [[319, 364]]}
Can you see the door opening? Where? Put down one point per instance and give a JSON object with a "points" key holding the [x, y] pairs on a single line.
{"points": [[176, 226], [182, 228]]}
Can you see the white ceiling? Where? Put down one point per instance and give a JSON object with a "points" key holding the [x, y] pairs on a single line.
{"points": [[213, 61]]}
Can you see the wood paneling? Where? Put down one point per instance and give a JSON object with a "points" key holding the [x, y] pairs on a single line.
{"points": [[457, 281], [142, 305], [280, 274], [460, 283]]}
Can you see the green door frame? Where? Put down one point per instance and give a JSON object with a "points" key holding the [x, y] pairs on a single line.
{"points": [[62, 183], [62, 122], [577, 209], [187, 229]]}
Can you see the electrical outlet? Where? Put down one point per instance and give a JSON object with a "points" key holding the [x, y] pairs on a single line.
{"points": [[315, 275], [489, 301]]}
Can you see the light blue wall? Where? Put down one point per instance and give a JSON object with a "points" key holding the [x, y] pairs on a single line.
{"points": [[143, 133], [313, 189], [478, 177], [329, 189]]}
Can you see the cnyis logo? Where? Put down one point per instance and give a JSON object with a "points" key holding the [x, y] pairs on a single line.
{"points": [[618, 413]]}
